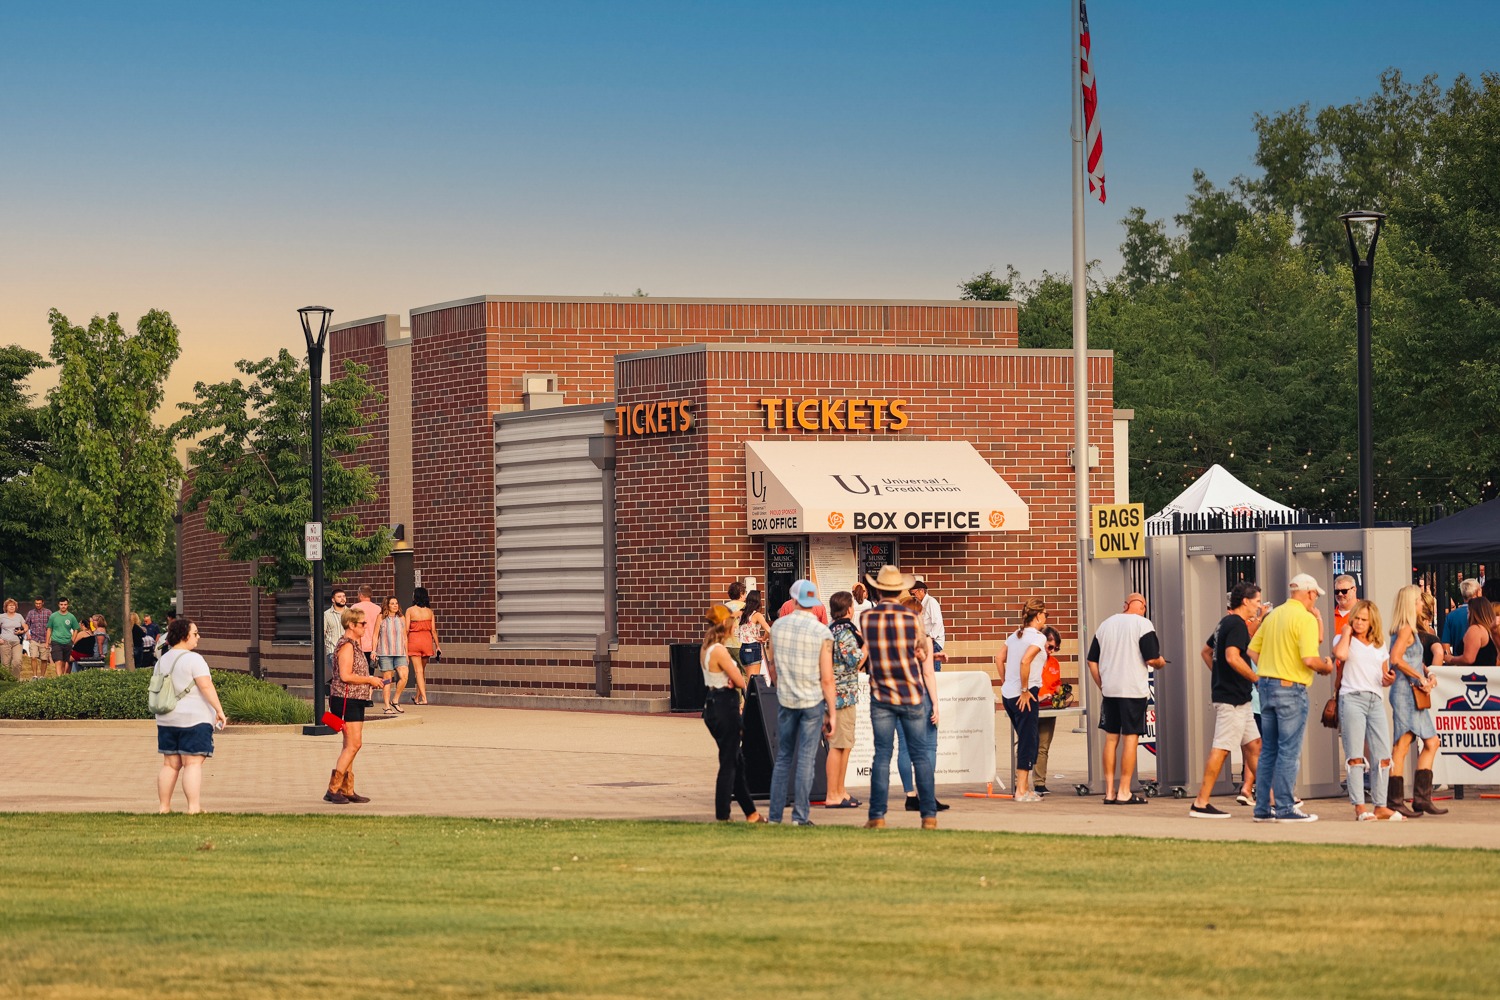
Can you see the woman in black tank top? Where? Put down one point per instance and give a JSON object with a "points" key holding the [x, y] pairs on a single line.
{"points": [[1479, 641]]}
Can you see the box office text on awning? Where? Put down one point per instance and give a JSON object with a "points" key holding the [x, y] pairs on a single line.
{"points": [[876, 487]]}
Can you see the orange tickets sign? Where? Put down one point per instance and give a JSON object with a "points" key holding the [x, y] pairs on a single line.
{"points": [[820, 414], [666, 416]]}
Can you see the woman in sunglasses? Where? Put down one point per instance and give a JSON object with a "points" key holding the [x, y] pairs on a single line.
{"points": [[350, 691]]}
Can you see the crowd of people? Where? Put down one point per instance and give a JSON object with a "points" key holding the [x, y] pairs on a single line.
{"points": [[1262, 661], [44, 641], [813, 653]]}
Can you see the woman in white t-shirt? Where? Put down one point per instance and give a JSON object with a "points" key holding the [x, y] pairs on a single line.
{"points": [[1021, 674], [1363, 675], [185, 735]]}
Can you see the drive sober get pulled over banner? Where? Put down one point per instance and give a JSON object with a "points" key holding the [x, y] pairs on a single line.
{"points": [[1467, 713]]}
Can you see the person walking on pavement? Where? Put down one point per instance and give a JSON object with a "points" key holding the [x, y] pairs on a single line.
{"points": [[1232, 678], [333, 628], [1285, 651], [36, 636], [799, 657], [61, 625], [1122, 654], [901, 682], [12, 632], [422, 640]]}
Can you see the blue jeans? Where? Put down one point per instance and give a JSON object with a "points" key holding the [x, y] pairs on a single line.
{"points": [[903, 754], [1362, 722], [797, 729], [915, 722], [1283, 718]]}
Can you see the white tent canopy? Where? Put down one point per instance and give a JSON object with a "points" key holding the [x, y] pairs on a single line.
{"points": [[1217, 492]]}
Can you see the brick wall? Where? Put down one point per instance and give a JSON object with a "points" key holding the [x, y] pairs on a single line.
{"points": [[469, 358], [1015, 407], [364, 344]]}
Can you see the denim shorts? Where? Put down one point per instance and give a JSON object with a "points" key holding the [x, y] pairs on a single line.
{"points": [[1405, 716], [188, 741], [749, 653], [391, 663]]}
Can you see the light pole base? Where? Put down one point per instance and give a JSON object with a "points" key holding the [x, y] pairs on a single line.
{"points": [[318, 730]]}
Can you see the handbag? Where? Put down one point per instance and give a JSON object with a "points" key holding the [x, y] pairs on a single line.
{"points": [[1423, 698], [336, 722], [1331, 713]]}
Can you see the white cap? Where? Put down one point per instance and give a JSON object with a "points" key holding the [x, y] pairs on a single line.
{"points": [[1302, 581]]}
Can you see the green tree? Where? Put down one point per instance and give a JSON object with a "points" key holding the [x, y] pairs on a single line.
{"points": [[109, 475], [250, 469], [985, 287], [25, 536]]}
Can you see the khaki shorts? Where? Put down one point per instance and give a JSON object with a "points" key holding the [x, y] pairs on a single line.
{"points": [[1234, 726], [843, 728]]}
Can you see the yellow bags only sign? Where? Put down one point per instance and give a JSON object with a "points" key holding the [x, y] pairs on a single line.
{"points": [[1119, 531]]}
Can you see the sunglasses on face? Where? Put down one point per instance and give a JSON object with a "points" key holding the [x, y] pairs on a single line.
{"points": [[1051, 649], [1346, 590]]}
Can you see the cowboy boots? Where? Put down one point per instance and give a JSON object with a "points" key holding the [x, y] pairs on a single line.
{"points": [[349, 788], [335, 793], [1422, 794], [1395, 797]]}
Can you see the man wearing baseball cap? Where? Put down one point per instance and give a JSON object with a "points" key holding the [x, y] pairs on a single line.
{"points": [[1286, 657], [799, 658]]}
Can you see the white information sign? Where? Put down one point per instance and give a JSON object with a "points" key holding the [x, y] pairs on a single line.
{"points": [[966, 732], [1466, 709], [312, 541], [833, 567]]}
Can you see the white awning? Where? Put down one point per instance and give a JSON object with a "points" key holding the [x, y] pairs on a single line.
{"points": [[876, 488]]}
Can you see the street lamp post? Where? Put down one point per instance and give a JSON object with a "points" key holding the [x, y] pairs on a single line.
{"points": [[316, 318], [1366, 225]]}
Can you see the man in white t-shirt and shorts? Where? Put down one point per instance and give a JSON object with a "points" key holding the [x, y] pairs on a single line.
{"points": [[1124, 651]]}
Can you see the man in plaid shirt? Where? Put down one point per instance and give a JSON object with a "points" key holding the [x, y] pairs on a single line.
{"points": [[36, 634], [799, 657], [901, 693]]}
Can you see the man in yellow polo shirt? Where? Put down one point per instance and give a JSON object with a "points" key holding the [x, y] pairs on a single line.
{"points": [[1285, 650]]}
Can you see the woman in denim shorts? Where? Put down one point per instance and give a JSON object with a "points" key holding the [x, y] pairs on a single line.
{"points": [[752, 631], [185, 735]]}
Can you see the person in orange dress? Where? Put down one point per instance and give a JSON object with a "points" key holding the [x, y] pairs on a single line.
{"points": [[422, 641]]}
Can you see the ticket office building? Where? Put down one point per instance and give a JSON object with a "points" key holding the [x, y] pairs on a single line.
{"points": [[580, 478]]}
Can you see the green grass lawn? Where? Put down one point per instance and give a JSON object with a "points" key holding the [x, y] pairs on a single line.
{"points": [[276, 906]]}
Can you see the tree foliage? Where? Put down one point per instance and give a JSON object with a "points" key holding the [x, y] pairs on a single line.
{"points": [[1234, 335], [108, 476], [25, 533], [251, 468]]}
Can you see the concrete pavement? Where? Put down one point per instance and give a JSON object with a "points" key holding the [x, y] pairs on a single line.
{"points": [[452, 761]]}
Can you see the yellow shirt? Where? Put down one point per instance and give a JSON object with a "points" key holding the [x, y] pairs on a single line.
{"points": [[1286, 637]]}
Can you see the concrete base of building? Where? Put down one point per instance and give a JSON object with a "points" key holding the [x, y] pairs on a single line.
{"points": [[553, 702]]}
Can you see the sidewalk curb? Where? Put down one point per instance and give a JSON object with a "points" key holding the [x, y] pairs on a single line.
{"points": [[236, 729]]}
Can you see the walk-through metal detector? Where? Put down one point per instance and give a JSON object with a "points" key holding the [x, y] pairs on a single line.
{"points": [[1190, 578]]}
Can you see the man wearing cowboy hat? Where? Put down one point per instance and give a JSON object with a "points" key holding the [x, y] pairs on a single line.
{"points": [[901, 693]]}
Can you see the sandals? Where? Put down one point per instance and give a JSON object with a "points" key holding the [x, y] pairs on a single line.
{"points": [[849, 803], [1134, 800], [390, 711], [398, 708]]}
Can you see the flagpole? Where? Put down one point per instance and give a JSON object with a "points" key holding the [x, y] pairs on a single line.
{"points": [[1080, 378]]}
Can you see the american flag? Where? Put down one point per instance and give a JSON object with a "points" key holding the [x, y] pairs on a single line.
{"points": [[1094, 140]]}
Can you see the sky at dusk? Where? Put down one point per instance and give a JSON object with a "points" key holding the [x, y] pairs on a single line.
{"points": [[229, 163]]}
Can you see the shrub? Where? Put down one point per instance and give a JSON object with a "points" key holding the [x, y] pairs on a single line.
{"points": [[121, 694]]}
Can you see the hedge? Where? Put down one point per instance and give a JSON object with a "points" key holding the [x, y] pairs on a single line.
{"points": [[121, 694]]}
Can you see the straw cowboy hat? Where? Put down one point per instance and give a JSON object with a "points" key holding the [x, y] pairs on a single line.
{"points": [[890, 579]]}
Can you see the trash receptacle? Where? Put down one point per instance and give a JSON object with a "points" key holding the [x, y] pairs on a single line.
{"points": [[689, 693]]}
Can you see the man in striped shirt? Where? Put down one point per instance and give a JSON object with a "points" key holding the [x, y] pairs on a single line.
{"points": [[901, 687]]}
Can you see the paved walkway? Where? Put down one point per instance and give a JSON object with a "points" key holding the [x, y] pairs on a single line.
{"points": [[522, 763]]}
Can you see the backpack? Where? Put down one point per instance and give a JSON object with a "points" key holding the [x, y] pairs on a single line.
{"points": [[162, 696]]}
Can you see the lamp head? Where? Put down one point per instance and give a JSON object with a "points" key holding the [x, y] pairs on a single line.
{"points": [[315, 318], [1363, 230]]}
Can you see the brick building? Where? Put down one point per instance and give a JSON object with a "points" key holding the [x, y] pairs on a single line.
{"points": [[538, 523]]}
